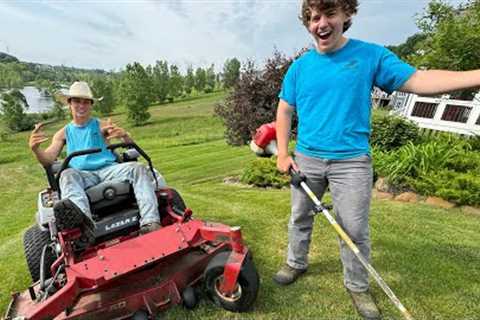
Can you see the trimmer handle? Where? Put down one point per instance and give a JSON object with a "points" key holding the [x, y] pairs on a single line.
{"points": [[297, 177]]}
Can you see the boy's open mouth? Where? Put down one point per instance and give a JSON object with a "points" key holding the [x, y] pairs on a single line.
{"points": [[324, 35]]}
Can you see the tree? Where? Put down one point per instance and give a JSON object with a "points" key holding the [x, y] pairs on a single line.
{"points": [[410, 47], [231, 72], [102, 88], [253, 100], [453, 38], [10, 75], [175, 83], [13, 113], [210, 79], [200, 79], [189, 80], [161, 77], [152, 97], [134, 91]]}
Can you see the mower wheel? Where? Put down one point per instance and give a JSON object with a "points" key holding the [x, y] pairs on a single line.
{"points": [[34, 240], [247, 288], [140, 315], [189, 298], [178, 205]]}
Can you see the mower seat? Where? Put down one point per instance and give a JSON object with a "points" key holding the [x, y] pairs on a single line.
{"points": [[108, 193], [113, 207]]}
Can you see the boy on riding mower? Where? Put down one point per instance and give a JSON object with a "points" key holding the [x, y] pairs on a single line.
{"points": [[87, 132], [329, 88]]}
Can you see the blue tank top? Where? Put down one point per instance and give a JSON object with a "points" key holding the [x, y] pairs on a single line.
{"points": [[84, 137]]}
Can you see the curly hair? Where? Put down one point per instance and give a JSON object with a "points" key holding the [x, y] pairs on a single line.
{"points": [[350, 7]]}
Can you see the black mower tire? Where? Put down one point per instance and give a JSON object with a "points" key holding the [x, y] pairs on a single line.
{"points": [[248, 281], [140, 315], [34, 240], [189, 298], [178, 204]]}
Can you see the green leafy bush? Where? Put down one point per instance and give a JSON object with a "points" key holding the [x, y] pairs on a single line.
{"points": [[262, 172], [391, 132], [445, 167], [413, 160], [461, 188], [475, 142]]}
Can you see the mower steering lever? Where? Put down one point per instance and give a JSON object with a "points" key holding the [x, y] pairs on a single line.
{"points": [[133, 145]]}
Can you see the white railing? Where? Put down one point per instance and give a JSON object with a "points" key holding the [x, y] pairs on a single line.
{"points": [[442, 114]]}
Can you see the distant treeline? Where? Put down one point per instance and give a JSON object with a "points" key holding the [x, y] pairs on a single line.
{"points": [[166, 80], [136, 87]]}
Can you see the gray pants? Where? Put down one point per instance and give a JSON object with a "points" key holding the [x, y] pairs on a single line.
{"points": [[73, 184], [350, 183]]}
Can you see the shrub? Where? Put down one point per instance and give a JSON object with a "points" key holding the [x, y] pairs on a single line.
{"points": [[461, 188], [414, 160], [443, 167], [262, 172], [253, 100], [5, 134], [392, 132], [475, 142]]}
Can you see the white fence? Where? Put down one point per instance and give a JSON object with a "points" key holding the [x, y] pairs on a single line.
{"points": [[442, 114]]}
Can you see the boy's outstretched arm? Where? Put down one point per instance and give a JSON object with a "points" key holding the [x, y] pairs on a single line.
{"points": [[283, 126], [441, 81], [47, 156]]}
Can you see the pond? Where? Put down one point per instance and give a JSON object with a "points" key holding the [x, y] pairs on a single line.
{"points": [[37, 101]]}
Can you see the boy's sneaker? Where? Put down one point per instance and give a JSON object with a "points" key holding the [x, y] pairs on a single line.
{"points": [[287, 275], [365, 305], [149, 227], [68, 215]]}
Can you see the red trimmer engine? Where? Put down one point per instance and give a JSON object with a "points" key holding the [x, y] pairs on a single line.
{"points": [[264, 142]]}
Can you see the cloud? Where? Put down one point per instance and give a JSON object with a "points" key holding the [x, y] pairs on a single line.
{"points": [[109, 34]]}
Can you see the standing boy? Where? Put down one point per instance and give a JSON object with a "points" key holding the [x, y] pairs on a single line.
{"points": [[329, 88]]}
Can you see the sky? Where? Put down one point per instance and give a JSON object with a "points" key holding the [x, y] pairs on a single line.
{"points": [[108, 34]]}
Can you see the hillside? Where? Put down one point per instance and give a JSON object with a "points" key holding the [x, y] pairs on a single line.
{"points": [[4, 57]]}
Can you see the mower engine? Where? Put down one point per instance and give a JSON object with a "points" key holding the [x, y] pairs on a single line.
{"points": [[264, 142]]}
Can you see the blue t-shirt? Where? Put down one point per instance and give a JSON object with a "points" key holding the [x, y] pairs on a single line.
{"points": [[332, 96], [84, 137]]}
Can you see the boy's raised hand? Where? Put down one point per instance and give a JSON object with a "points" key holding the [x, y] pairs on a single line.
{"points": [[37, 137], [111, 131]]}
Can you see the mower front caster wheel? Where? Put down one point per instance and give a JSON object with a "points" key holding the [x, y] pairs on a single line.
{"points": [[189, 298], [245, 293], [140, 315]]}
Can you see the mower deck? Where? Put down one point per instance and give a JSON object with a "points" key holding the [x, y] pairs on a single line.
{"points": [[138, 274]]}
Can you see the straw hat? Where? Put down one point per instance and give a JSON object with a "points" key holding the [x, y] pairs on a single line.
{"points": [[79, 89]]}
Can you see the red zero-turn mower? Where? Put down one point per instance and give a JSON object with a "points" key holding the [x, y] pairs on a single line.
{"points": [[106, 270]]}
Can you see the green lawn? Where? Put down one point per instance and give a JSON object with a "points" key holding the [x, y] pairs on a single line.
{"points": [[429, 257]]}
